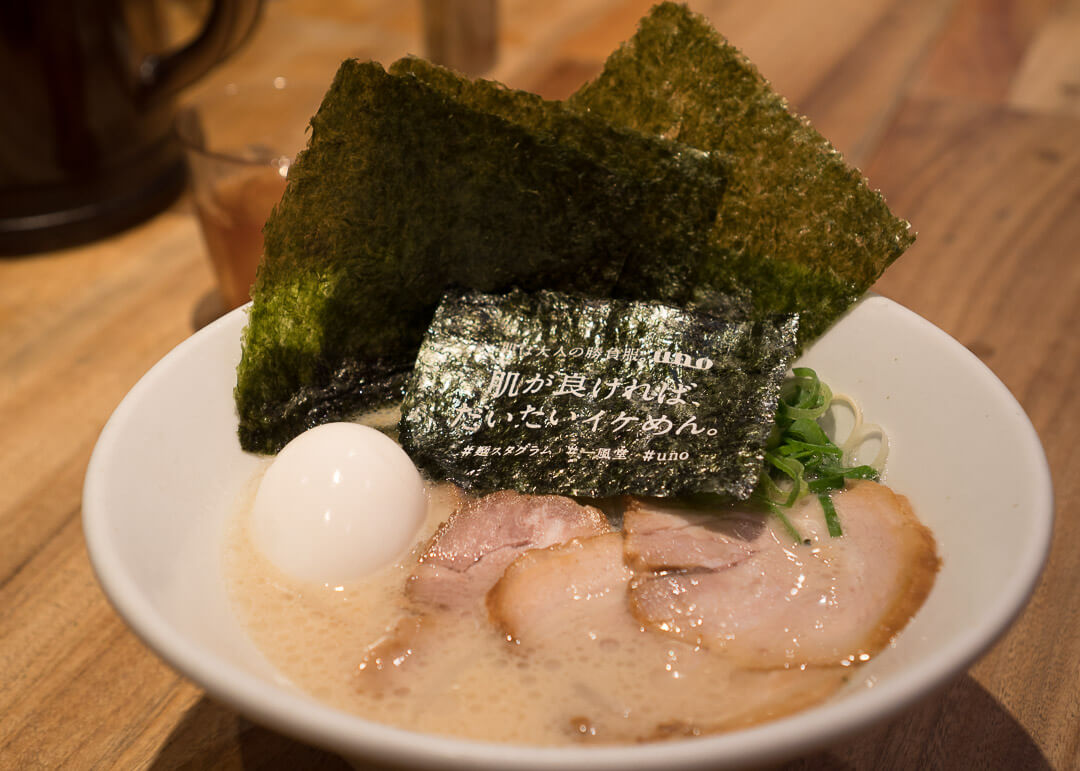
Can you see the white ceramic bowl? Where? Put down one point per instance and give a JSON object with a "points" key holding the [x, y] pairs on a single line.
{"points": [[167, 470]]}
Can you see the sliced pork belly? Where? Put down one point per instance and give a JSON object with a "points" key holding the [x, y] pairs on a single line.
{"points": [[660, 538], [470, 551], [465, 557], [567, 608], [832, 601], [573, 589]]}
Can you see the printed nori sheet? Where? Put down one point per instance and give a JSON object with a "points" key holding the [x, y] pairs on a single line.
{"points": [[681, 186], [799, 230], [402, 193], [553, 393]]}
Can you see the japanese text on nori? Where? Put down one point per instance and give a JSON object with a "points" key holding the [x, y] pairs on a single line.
{"points": [[402, 193], [799, 230], [552, 393]]}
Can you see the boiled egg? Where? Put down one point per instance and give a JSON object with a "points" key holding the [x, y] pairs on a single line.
{"points": [[338, 502]]}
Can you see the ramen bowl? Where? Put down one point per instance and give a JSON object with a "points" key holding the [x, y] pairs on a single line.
{"points": [[167, 474]]}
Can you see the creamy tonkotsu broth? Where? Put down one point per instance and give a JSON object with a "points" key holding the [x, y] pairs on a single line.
{"points": [[583, 675]]}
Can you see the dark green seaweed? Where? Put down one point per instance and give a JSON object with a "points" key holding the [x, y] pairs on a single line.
{"points": [[799, 229], [422, 181], [553, 393], [402, 193], [681, 186]]}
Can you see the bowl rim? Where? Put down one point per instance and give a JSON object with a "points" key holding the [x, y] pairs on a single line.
{"points": [[301, 716]]}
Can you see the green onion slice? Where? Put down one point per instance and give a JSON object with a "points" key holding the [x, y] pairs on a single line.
{"points": [[800, 458]]}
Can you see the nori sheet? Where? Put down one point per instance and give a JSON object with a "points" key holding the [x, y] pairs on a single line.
{"points": [[799, 229], [553, 393], [682, 186], [402, 193], [411, 187]]}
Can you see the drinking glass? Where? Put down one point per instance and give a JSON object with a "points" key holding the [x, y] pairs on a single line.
{"points": [[239, 144]]}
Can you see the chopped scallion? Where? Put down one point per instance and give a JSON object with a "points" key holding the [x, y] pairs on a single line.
{"points": [[831, 520], [800, 458]]}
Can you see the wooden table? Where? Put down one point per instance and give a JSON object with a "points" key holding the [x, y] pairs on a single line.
{"points": [[966, 113]]}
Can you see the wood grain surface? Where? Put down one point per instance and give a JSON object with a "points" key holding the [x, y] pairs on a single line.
{"points": [[965, 113]]}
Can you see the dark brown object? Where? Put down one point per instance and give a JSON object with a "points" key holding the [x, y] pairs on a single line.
{"points": [[86, 144], [462, 34]]}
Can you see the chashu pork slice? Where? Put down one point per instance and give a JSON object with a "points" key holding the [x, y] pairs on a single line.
{"points": [[571, 590], [663, 538], [567, 609], [470, 551], [462, 561], [778, 603]]}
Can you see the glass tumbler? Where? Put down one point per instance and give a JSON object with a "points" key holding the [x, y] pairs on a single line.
{"points": [[239, 144]]}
